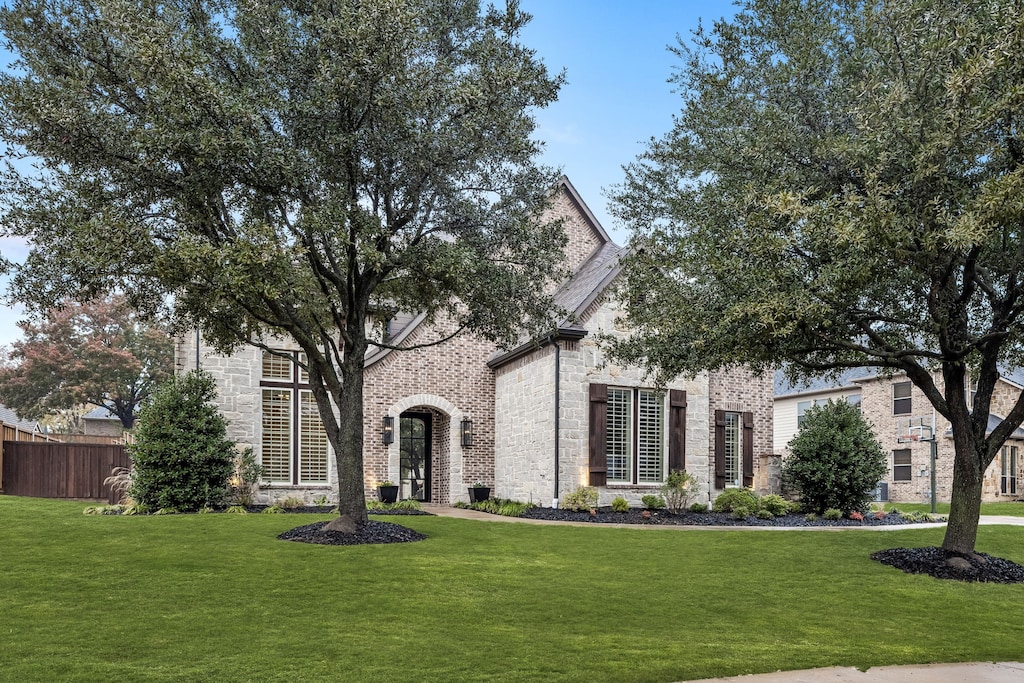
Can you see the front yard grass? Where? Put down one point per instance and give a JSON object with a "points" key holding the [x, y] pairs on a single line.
{"points": [[218, 597], [1007, 508]]}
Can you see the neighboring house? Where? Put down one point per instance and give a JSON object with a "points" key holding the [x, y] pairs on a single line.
{"points": [[102, 422], [534, 422], [884, 402], [16, 429]]}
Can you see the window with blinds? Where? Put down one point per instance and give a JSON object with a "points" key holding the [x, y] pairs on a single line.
{"points": [[650, 453], [277, 435], [276, 367], [312, 442], [620, 438], [733, 445], [635, 436]]}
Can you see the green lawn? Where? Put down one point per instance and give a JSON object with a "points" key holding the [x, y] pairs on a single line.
{"points": [[218, 598]]}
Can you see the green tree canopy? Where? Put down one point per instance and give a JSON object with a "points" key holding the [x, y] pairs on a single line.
{"points": [[99, 353], [844, 187], [285, 168]]}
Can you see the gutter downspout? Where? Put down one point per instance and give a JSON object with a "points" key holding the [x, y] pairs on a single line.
{"points": [[558, 407], [197, 348]]}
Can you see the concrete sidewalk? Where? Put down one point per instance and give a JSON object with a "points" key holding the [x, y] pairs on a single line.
{"points": [[981, 672]]}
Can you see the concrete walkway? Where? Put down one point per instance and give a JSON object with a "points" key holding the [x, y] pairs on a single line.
{"points": [[977, 672], [981, 672]]}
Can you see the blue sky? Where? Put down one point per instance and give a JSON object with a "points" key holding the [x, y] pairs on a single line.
{"points": [[617, 97]]}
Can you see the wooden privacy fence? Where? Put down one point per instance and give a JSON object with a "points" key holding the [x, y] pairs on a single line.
{"points": [[60, 470]]}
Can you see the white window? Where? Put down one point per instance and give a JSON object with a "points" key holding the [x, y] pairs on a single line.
{"points": [[294, 446], [1008, 478], [901, 465], [635, 439], [733, 450], [803, 406], [901, 404]]}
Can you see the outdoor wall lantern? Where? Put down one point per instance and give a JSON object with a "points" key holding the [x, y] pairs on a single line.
{"points": [[467, 432], [387, 432]]}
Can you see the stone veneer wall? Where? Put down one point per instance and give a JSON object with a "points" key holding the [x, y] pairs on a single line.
{"points": [[876, 406], [581, 240], [525, 407], [740, 390]]}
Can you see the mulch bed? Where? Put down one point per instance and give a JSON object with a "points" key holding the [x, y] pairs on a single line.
{"points": [[606, 515], [372, 532], [936, 562]]}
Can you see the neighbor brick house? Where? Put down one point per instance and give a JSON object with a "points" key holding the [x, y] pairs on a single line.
{"points": [[534, 422], [884, 401]]}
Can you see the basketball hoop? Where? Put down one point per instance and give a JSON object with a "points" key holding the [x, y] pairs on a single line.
{"points": [[915, 429]]}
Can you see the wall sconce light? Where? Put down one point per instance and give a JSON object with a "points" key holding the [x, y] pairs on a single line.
{"points": [[467, 432], [387, 432]]}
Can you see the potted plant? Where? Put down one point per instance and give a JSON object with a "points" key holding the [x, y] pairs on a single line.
{"points": [[387, 491], [478, 493]]}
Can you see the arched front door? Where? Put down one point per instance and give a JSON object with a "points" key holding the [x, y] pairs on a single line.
{"points": [[414, 438]]}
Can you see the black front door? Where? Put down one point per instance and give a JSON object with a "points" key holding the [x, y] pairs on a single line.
{"points": [[414, 438]]}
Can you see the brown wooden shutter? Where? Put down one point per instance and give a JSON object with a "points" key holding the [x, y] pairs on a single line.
{"points": [[719, 449], [748, 450], [598, 434], [676, 430]]}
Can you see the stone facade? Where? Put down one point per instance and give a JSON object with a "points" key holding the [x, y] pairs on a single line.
{"points": [[740, 390]]}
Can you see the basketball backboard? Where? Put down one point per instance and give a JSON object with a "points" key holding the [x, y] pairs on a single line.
{"points": [[914, 429]]}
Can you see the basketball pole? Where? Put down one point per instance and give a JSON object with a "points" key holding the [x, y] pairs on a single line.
{"points": [[933, 447]]}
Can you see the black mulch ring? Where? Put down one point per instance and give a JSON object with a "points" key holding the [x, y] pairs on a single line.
{"points": [[665, 518], [935, 562], [372, 532]]}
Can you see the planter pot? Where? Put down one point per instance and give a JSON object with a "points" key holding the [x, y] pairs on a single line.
{"points": [[388, 494], [479, 494]]}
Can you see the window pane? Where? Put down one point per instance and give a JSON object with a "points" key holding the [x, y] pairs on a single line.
{"points": [[303, 375], [650, 460], [901, 469], [901, 457], [620, 436], [901, 390], [277, 435], [312, 441], [732, 449], [276, 367]]}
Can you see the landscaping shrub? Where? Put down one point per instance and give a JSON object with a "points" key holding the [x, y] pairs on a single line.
{"points": [[835, 460], [765, 514], [678, 488], [653, 502], [833, 514], [245, 479], [729, 499], [582, 498], [699, 507], [181, 456], [620, 504], [742, 511], [774, 504]]}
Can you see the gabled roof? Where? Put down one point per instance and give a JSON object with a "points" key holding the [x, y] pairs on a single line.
{"points": [[993, 422], [8, 416], [845, 380]]}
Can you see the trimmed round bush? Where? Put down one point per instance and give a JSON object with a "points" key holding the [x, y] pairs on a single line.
{"points": [[835, 460], [181, 455], [774, 504], [730, 499]]}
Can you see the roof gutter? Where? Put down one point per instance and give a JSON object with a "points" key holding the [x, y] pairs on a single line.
{"points": [[561, 334]]}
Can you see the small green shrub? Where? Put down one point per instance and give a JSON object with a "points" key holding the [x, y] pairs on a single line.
{"points": [[653, 502], [205, 510], [166, 511], [462, 505], [679, 487], [320, 501], [765, 514], [237, 510], [699, 507], [742, 511], [810, 517], [620, 504], [583, 498], [501, 506], [795, 507], [246, 478], [729, 499], [774, 504], [273, 510], [833, 514]]}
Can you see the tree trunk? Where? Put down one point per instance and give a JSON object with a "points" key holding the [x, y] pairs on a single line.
{"points": [[348, 450], [965, 503]]}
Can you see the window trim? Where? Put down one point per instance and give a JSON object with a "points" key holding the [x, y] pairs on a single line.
{"points": [[633, 430], [1008, 474], [297, 386], [908, 407], [909, 465]]}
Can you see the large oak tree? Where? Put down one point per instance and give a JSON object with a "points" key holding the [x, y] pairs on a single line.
{"points": [[844, 187], [285, 168]]}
